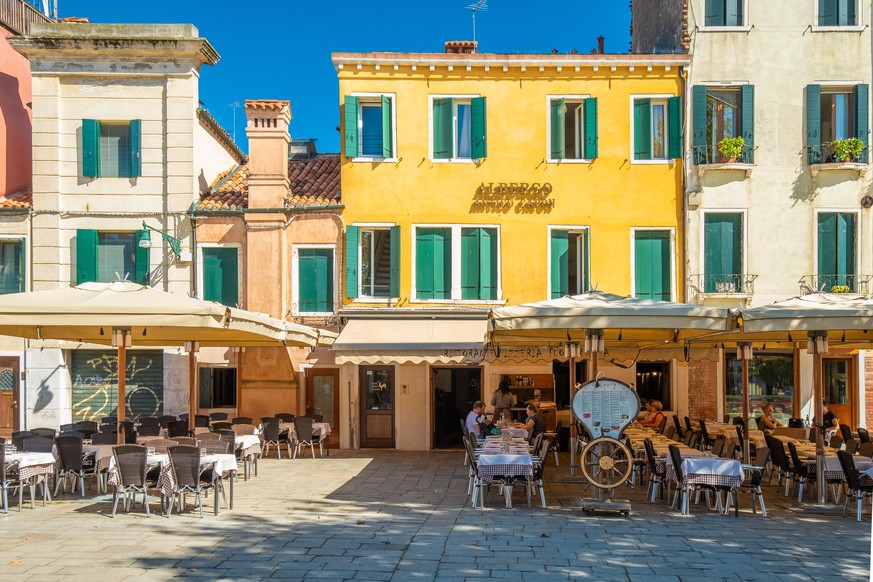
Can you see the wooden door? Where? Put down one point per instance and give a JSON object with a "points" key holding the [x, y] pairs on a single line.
{"points": [[322, 397], [377, 406], [10, 396], [840, 388]]}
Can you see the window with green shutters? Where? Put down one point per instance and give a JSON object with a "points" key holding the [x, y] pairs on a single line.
{"points": [[568, 268], [723, 252], [459, 128], [315, 273], [433, 263], [479, 264], [652, 265], [221, 275], [837, 13], [12, 266], [572, 128], [111, 256], [368, 123], [836, 251], [724, 13], [657, 128], [111, 149], [372, 262], [720, 113], [836, 113]]}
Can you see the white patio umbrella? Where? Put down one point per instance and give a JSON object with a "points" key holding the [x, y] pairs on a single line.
{"points": [[127, 314]]}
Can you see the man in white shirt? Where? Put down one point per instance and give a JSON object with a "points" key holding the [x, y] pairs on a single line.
{"points": [[472, 422]]}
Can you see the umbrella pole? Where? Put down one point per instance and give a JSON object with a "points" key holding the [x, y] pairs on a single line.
{"points": [[122, 385], [239, 365], [573, 435], [192, 394], [817, 398], [746, 406]]}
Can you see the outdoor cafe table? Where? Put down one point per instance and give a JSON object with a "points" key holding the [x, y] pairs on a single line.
{"points": [[34, 468], [319, 429], [504, 465]]}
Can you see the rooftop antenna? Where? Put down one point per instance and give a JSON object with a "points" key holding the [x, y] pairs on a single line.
{"points": [[478, 5], [235, 104]]}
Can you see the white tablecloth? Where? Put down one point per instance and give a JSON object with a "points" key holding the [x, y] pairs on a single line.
{"points": [[102, 454], [31, 459], [245, 441], [491, 466]]}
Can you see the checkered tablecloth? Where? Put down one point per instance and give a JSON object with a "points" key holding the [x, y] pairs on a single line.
{"points": [[224, 465], [33, 467], [713, 472], [491, 466], [102, 455]]}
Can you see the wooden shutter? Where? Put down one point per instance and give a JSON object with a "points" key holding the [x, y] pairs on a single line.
{"points": [[652, 265], [723, 253], [211, 275], [586, 256], [813, 123], [443, 146], [433, 263], [22, 265], [86, 255], [479, 127], [590, 128], [90, 148], [350, 125], [387, 135], [479, 264], [229, 276], [488, 243], [714, 15], [845, 245], [747, 120], [142, 266], [352, 267], [557, 109], [315, 280], [643, 129], [674, 122], [560, 263], [862, 112], [698, 123], [827, 12], [827, 250], [135, 148], [394, 269]]}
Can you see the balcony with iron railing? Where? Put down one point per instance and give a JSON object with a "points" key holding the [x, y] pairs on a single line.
{"points": [[823, 157], [857, 284], [723, 284], [708, 157], [18, 15]]}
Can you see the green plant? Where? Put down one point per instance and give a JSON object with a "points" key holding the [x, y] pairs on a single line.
{"points": [[847, 150], [840, 289], [732, 147]]}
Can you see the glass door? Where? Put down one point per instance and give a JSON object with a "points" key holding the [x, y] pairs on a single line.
{"points": [[839, 381], [377, 406], [322, 397]]}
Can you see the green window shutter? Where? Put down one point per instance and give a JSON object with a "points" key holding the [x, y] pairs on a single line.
{"points": [[845, 249], [586, 255], [590, 128], [479, 127], [443, 147], [433, 263], [652, 265], [674, 121], [827, 12], [862, 112], [723, 252], [315, 280], [229, 276], [387, 149], [86, 255], [352, 267], [827, 250], [142, 266], [424, 264], [395, 261], [488, 249], [22, 265], [747, 119], [813, 116], [211, 276], [470, 263], [556, 120], [135, 147], [90, 148], [643, 129], [714, 15], [560, 263], [350, 125], [698, 123]]}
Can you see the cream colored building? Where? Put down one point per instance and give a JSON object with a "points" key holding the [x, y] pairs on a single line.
{"points": [[119, 141]]}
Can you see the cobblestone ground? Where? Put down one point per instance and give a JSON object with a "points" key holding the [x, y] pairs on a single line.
{"points": [[387, 515]]}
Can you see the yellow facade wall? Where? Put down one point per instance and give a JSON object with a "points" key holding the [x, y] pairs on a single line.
{"points": [[611, 195]]}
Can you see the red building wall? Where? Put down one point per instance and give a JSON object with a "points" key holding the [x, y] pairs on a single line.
{"points": [[15, 118]]}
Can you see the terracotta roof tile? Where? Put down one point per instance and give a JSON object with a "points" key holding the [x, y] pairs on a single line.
{"points": [[314, 182], [16, 200], [266, 104]]}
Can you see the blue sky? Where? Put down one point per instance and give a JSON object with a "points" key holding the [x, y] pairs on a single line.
{"points": [[281, 49]]}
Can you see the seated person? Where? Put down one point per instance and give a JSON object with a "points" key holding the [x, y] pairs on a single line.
{"points": [[657, 416], [767, 422], [472, 422], [534, 423], [829, 420], [644, 417]]}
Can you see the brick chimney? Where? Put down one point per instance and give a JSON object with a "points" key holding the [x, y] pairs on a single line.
{"points": [[461, 47], [267, 129], [600, 40]]}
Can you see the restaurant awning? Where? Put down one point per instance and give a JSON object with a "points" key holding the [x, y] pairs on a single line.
{"points": [[414, 341]]}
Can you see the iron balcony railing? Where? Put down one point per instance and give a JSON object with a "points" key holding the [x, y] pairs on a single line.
{"points": [[835, 284], [724, 283], [709, 154], [18, 15], [824, 154]]}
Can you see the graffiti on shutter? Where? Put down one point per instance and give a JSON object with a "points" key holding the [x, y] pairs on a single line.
{"points": [[95, 384]]}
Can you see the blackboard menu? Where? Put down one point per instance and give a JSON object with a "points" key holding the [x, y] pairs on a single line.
{"points": [[606, 407]]}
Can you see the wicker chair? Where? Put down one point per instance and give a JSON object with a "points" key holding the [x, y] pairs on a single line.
{"points": [[208, 436], [241, 420], [220, 425], [201, 420], [161, 446], [104, 438], [166, 419], [18, 438], [213, 416], [133, 476], [273, 438], [656, 478], [48, 433], [177, 428], [216, 447], [853, 480], [189, 477], [149, 421], [285, 417], [185, 440], [150, 430], [243, 429], [8, 480], [303, 428], [72, 463], [37, 445]]}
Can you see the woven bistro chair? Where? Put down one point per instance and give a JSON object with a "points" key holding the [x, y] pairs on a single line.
{"points": [[216, 447], [680, 433], [166, 419], [150, 430], [273, 438], [149, 421], [177, 428], [213, 416], [37, 445], [863, 435], [656, 478], [208, 436], [201, 420], [72, 463], [104, 438], [853, 480], [185, 440], [8, 480], [243, 429], [18, 438], [753, 485], [133, 476], [241, 420], [189, 477], [48, 433], [303, 428], [285, 417], [220, 425], [161, 446]]}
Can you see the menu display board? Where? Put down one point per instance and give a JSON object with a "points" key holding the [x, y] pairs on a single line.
{"points": [[606, 407]]}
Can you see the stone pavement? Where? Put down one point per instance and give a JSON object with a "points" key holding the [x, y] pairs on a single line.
{"points": [[390, 515]]}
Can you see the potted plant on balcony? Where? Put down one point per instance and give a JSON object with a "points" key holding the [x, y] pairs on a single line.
{"points": [[847, 150], [732, 148], [840, 289]]}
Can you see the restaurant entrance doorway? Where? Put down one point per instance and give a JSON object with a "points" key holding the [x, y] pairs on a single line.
{"points": [[840, 388], [9, 396], [455, 390]]}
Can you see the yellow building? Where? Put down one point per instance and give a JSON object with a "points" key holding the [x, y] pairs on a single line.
{"points": [[474, 180]]}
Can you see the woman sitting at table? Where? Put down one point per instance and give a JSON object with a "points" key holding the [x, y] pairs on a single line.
{"points": [[644, 417], [767, 421], [655, 420], [534, 423]]}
